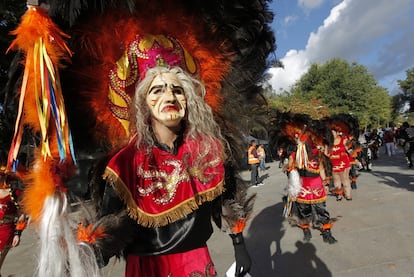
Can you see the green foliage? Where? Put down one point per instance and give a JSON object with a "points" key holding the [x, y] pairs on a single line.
{"points": [[339, 87], [407, 85], [286, 102]]}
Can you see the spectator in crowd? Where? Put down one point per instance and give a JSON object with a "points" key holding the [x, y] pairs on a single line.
{"points": [[407, 133], [253, 160], [262, 157], [389, 140]]}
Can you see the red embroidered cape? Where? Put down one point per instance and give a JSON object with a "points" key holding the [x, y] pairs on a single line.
{"points": [[312, 189], [339, 157], [159, 187]]}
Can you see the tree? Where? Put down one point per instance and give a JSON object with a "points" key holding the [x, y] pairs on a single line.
{"points": [[344, 88], [379, 111], [316, 108], [407, 86]]}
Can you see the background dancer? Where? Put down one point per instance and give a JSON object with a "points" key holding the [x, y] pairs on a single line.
{"points": [[306, 172]]}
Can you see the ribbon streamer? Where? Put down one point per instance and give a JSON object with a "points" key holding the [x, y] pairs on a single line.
{"points": [[41, 99]]}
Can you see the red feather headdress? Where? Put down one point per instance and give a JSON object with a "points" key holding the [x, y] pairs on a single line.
{"points": [[106, 47], [125, 38], [345, 124], [301, 127], [225, 44]]}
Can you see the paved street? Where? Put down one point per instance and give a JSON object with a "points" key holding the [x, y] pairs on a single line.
{"points": [[374, 232]]}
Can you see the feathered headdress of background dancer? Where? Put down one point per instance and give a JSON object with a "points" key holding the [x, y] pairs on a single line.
{"points": [[224, 43], [346, 124], [297, 129]]}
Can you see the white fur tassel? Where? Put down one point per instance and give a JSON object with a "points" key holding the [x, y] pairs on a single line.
{"points": [[60, 252], [294, 184]]}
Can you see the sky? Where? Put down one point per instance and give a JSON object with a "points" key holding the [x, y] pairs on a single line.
{"points": [[378, 34]]}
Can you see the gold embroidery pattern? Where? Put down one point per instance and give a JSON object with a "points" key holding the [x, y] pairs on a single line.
{"points": [[339, 167], [313, 166], [162, 180], [199, 172], [312, 201], [335, 148], [317, 192], [164, 184], [165, 217]]}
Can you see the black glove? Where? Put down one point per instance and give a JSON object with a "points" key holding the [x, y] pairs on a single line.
{"points": [[243, 261]]}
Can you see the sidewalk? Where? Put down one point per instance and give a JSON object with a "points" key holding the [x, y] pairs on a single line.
{"points": [[374, 232]]}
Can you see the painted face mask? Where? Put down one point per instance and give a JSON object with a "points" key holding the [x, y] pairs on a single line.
{"points": [[167, 100]]}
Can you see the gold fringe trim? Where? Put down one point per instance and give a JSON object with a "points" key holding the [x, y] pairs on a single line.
{"points": [[312, 170], [313, 201], [162, 219]]}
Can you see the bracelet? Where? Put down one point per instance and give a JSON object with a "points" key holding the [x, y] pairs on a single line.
{"points": [[21, 225]]}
